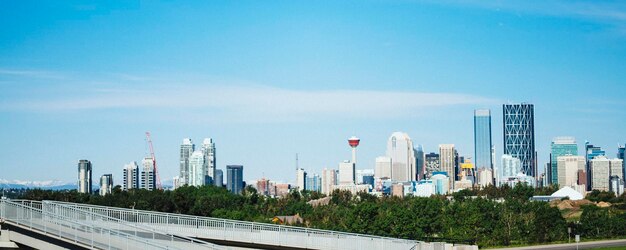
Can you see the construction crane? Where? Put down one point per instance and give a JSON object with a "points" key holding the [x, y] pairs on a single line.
{"points": [[154, 162]]}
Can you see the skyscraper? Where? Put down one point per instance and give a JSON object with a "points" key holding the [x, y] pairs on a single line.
{"points": [[208, 149], [197, 174], [329, 179], [591, 152], [568, 167], [234, 178], [511, 166], [148, 176], [347, 173], [106, 184], [447, 161], [131, 176], [84, 176], [599, 173], [561, 146], [621, 154], [383, 167], [519, 135], [420, 165], [314, 183], [219, 178], [186, 149], [400, 150], [301, 179], [432, 164], [482, 139]]}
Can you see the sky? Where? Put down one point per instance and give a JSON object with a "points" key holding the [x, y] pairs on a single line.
{"points": [[269, 79]]}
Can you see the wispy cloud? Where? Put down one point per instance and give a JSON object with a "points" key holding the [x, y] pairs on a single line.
{"points": [[608, 12], [255, 102], [31, 74]]}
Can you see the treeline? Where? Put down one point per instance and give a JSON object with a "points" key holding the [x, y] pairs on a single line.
{"points": [[472, 216]]}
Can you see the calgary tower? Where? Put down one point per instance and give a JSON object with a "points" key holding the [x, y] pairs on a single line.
{"points": [[354, 142]]}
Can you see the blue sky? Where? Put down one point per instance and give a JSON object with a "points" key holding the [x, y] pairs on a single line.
{"points": [[271, 79]]}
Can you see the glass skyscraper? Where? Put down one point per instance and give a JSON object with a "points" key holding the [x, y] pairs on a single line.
{"points": [[561, 146], [519, 135], [482, 139], [234, 178], [621, 154]]}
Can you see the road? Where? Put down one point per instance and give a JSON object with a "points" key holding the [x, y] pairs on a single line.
{"points": [[582, 245]]}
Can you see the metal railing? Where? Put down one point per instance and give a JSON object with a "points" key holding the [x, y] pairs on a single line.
{"points": [[29, 214], [246, 232], [171, 241]]}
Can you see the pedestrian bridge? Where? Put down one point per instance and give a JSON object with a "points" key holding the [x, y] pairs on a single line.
{"points": [[100, 227]]}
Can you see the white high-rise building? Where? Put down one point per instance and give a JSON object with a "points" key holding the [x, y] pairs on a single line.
{"points": [[106, 184], [84, 176], [329, 179], [447, 161], [400, 150], [510, 167], [148, 176], [130, 176], [600, 173], [301, 179], [567, 167], [485, 177], [346, 173], [197, 173], [383, 167], [208, 148], [617, 168], [186, 149]]}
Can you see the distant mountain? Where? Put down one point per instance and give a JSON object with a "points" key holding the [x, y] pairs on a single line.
{"points": [[48, 185]]}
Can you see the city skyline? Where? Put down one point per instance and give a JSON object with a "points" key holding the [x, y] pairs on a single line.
{"points": [[277, 79]]}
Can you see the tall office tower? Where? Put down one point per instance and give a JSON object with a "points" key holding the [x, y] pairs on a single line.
{"points": [[493, 161], [483, 144], [197, 174], [447, 161], [131, 176], [263, 186], [621, 154], [314, 183], [148, 175], [346, 173], [106, 184], [383, 167], [219, 178], [301, 179], [234, 178], [519, 135], [400, 150], [561, 146], [599, 173], [458, 160], [511, 166], [419, 165], [208, 149], [567, 168], [329, 179], [186, 149], [590, 153], [432, 164], [84, 176], [361, 173], [175, 182], [617, 168]]}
